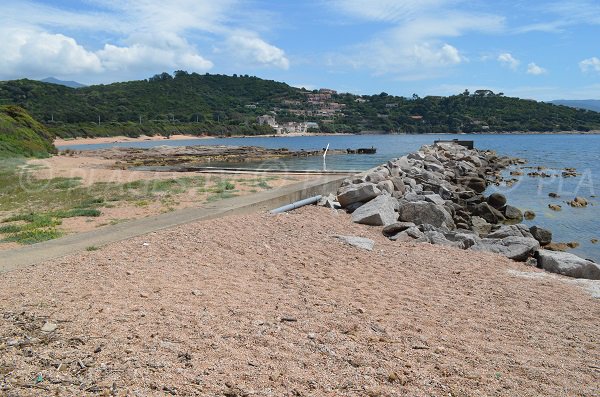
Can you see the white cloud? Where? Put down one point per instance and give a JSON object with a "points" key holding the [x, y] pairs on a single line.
{"points": [[535, 70], [416, 47], [140, 57], [140, 37], [387, 10], [40, 54], [251, 48], [590, 64], [508, 60]]}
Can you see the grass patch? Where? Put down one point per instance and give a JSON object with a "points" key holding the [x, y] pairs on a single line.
{"points": [[221, 196], [76, 212], [92, 248], [33, 236]]}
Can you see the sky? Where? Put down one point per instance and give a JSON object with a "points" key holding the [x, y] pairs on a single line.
{"points": [[534, 49]]}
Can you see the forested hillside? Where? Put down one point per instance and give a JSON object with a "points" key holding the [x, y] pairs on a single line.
{"points": [[225, 105]]}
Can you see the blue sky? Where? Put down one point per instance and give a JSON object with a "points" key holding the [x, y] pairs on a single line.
{"points": [[532, 49]]}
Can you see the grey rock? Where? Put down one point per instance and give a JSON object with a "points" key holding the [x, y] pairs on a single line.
{"points": [[329, 201], [396, 228], [386, 186], [475, 183], [354, 206], [410, 234], [377, 212], [445, 193], [518, 230], [423, 212], [568, 264], [513, 213], [434, 198], [480, 225], [497, 200], [359, 242], [488, 213], [544, 236], [398, 183], [413, 197], [375, 177], [353, 193], [515, 248], [410, 182], [438, 238]]}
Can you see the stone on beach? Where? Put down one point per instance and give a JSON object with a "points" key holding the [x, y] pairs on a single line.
{"points": [[568, 264], [358, 242], [515, 248]]}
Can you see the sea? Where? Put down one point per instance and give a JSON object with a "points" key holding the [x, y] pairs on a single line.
{"points": [[555, 152]]}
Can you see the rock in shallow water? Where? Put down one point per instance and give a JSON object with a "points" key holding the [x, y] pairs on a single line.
{"points": [[544, 236]]}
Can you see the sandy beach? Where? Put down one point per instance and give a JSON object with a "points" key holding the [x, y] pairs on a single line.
{"points": [[240, 306], [117, 139], [90, 172], [58, 142]]}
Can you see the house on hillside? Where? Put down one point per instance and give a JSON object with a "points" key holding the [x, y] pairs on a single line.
{"points": [[267, 119]]}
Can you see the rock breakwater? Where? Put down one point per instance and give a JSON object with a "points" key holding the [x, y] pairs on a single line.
{"points": [[435, 195]]}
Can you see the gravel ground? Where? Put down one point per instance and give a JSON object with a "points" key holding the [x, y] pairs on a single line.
{"points": [[266, 305]]}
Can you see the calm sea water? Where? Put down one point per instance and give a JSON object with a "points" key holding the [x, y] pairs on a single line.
{"points": [[555, 151]]}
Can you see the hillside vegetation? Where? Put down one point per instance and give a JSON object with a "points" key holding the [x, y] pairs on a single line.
{"points": [[21, 135], [226, 105]]}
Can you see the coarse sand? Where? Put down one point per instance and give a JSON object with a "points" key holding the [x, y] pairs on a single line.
{"points": [[263, 305]]}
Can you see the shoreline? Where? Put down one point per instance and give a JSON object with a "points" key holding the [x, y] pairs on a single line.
{"points": [[59, 142]]}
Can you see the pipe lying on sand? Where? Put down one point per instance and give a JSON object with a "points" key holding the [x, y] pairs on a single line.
{"points": [[296, 204]]}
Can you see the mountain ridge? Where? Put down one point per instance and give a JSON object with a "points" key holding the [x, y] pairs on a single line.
{"points": [[588, 104], [225, 105]]}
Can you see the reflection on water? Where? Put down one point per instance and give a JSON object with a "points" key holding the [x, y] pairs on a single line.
{"points": [[553, 151]]}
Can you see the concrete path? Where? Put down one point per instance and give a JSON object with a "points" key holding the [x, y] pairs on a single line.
{"points": [[264, 201]]}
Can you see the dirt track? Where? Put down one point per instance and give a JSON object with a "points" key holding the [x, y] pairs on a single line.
{"points": [[262, 305]]}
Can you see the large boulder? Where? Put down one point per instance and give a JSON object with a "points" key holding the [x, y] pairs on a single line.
{"points": [[568, 264], [544, 236], [518, 230], [380, 211], [515, 248], [362, 192], [497, 200], [489, 213], [423, 212]]}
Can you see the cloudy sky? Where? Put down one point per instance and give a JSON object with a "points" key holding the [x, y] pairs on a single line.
{"points": [[527, 48]]}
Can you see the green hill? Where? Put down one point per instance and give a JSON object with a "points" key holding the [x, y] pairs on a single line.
{"points": [[21, 135], [225, 105]]}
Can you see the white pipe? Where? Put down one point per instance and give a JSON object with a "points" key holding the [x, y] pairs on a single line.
{"points": [[326, 149], [296, 204]]}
